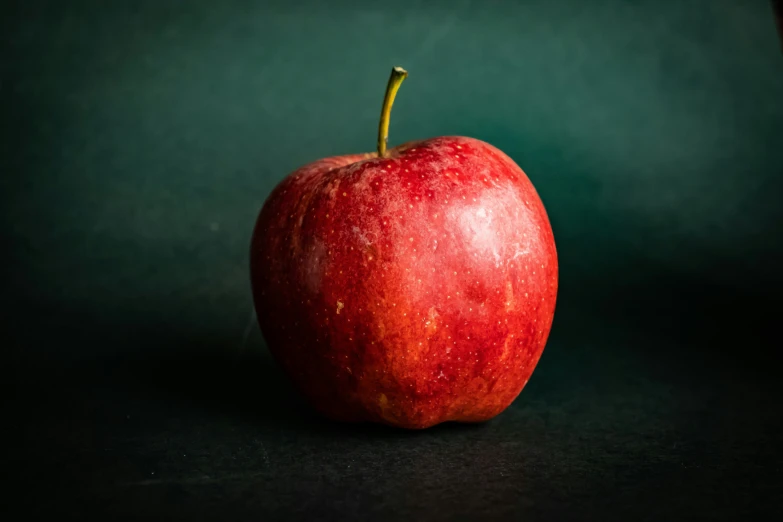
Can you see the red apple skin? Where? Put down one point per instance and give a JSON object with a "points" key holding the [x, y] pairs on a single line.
{"points": [[407, 290]]}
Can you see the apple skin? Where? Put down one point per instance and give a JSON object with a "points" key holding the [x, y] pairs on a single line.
{"points": [[407, 290]]}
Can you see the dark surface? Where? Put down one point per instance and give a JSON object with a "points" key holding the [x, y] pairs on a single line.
{"points": [[139, 143]]}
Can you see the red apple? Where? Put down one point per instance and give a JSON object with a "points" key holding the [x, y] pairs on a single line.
{"points": [[407, 287]]}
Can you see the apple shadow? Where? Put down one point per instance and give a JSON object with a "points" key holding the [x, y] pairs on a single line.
{"points": [[250, 388], [179, 368]]}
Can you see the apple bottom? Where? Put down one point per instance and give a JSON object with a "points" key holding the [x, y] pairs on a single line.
{"points": [[407, 383]]}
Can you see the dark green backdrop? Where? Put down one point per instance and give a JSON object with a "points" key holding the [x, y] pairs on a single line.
{"points": [[141, 138]]}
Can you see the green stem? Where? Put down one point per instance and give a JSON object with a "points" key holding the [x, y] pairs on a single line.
{"points": [[398, 74]]}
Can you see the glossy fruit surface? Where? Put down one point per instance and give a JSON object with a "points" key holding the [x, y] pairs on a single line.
{"points": [[409, 289]]}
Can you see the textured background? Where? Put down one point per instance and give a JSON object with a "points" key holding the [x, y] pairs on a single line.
{"points": [[139, 140]]}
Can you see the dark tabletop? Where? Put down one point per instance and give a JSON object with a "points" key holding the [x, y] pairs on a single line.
{"points": [[139, 140]]}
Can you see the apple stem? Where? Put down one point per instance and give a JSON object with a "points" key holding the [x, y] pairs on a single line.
{"points": [[398, 74]]}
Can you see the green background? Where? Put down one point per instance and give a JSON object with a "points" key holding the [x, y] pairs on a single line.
{"points": [[140, 140]]}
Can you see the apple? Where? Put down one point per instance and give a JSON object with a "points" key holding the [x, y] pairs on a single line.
{"points": [[409, 286]]}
